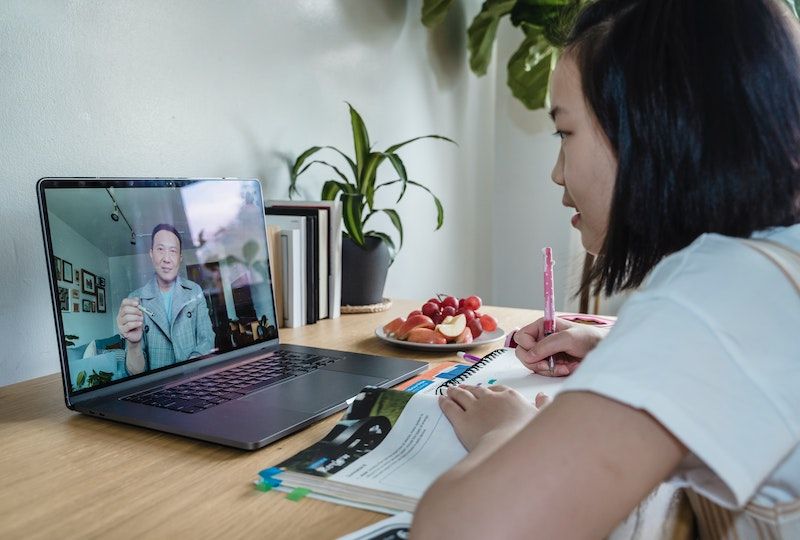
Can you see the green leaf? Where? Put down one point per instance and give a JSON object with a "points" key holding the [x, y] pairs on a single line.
{"points": [[436, 201], [540, 13], [482, 32], [80, 380], [360, 141], [400, 167], [393, 216], [347, 158], [529, 71], [352, 207], [250, 250], [434, 12], [332, 187], [395, 147], [296, 168], [321, 162], [367, 186], [389, 242]]}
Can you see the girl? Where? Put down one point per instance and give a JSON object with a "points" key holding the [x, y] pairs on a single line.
{"points": [[680, 136]]}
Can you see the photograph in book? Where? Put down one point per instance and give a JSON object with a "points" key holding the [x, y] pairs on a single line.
{"points": [[362, 428]]}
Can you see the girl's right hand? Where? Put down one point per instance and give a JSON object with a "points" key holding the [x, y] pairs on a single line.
{"points": [[568, 345]]}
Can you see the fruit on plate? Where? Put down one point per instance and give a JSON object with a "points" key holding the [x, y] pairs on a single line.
{"points": [[426, 335], [451, 327], [443, 317], [414, 321], [476, 327], [464, 337], [488, 323], [393, 326]]}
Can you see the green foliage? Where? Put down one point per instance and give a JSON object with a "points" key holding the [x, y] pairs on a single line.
{"points": [[434, 12], [544, 23], [357, 186]]}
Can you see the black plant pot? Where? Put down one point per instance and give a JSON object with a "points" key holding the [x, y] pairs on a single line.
{"points": [[364, 271]]}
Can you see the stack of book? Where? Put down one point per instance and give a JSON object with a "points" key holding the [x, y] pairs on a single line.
{"points": [[305, 251]]}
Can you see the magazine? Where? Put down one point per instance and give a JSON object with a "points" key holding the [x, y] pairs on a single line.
{"points": [[391, 445]]}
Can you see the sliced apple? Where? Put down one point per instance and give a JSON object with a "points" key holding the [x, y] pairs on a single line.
{"points": [[426, 335], [452, 328], [392, 326], [414, 321], [465, 336]]}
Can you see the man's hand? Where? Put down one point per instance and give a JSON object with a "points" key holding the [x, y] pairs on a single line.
{"points": [[130, 320]]}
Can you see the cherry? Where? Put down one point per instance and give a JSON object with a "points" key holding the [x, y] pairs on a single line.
{"points": [[429, 308], [473, 302], [468, 313], [488, 323], [448, 311], [450, 301], [475, 326]]}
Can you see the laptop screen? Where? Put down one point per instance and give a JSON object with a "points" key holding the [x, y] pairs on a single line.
{"points": [[150, 274]]}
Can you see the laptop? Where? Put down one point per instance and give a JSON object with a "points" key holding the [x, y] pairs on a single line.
{"points": [[165, 313]]}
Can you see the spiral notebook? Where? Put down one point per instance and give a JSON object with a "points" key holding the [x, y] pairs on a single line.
{"points": [[391, 445]]}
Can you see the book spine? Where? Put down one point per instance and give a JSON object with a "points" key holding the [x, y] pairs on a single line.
{"points": [[474, 368]]}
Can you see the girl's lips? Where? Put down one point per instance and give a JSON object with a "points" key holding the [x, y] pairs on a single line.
{"points": [[575, 219]]}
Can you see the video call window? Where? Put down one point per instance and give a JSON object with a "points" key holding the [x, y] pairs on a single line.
{"points": [[149, 277]]}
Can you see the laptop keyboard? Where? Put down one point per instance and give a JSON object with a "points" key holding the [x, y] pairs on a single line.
{"points": [[215, 388]]}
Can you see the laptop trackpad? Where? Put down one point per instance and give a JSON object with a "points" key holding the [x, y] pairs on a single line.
{"points": [[315, 391]]}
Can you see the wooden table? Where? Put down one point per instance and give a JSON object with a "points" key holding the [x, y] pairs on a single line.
{"points": [[66, 475]]}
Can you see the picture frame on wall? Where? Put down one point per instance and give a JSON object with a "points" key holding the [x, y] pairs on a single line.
{"points": [[66, 271], [75, 293], [86, 306], [88, 285], [101, 282], [58, 268], [76, 308], [101, 300], [63, 298]]}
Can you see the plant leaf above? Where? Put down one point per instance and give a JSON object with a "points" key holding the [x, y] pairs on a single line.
{"points": [[357, 192], [529, 71], [434, 11], [482, 31]]}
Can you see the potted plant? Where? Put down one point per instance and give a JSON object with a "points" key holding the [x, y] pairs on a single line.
{"points": [[366, 253]]}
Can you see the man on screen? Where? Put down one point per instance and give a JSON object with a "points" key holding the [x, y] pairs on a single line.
{"points": [[166, 321]]}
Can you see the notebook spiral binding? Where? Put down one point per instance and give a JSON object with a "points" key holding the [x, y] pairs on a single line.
{"points": [[474, 368]]}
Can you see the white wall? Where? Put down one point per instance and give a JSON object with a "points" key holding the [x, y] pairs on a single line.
{"points": [[75, 249], [205, 88], [193, 88]]}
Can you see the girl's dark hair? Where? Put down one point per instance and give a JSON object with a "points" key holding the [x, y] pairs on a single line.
{"points": [[700, 100]]}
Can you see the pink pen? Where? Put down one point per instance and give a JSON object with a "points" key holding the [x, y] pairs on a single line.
{"points": [[549, 307]]}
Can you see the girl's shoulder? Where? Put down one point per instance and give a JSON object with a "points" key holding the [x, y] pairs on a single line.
{"points": [[716, 261]]}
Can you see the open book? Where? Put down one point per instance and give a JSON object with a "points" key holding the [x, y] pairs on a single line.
{"points": [[391, 445]]}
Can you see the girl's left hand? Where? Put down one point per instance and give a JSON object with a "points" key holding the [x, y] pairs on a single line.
{"points": [[477, 411]]}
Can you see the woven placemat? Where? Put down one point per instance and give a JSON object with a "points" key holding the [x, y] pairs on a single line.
{"points": [[383, 305]]}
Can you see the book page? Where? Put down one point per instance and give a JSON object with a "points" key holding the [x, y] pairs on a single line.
{"points": [[420, 446], [505, 368]]}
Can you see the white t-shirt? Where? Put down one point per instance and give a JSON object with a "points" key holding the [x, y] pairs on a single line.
{"points": [[710, 347]]}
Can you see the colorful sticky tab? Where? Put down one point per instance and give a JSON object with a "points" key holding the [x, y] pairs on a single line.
{"points": [[298, 493], [274, 482], [492, 381], [263, 486], [269, 473]]}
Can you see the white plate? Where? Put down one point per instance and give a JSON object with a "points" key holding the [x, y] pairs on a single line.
{"points": [[485, 337]]}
